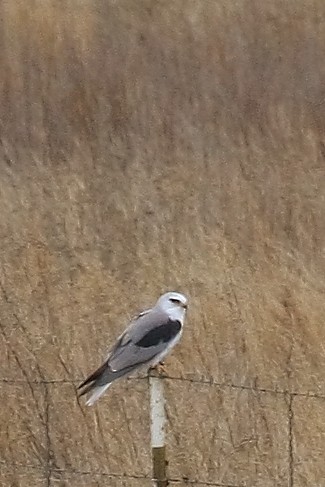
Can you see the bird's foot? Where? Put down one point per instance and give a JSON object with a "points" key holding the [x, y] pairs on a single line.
{"points": [[158, 370]]}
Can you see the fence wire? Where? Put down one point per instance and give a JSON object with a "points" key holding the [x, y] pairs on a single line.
{"points": [[194, 380], [55, 473]]}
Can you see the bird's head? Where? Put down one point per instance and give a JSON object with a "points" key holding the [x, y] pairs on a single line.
{"points": [[175, 304]]}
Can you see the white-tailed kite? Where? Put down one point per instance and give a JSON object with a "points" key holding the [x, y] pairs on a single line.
{"points": [[146, 342]]}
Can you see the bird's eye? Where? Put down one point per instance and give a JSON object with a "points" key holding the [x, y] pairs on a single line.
{"points": [[174, 300]]}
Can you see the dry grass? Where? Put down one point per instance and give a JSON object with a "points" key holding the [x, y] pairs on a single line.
{"points": [[155, 145]]}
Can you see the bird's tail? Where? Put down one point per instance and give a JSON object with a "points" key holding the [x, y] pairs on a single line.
{"points": [[97, 391], [97, 383]]}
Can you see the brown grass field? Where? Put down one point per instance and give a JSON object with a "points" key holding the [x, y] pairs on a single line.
{"points": [[148, 145]]}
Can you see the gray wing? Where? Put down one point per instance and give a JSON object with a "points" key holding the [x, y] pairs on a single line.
{"points": [[145, 338]]}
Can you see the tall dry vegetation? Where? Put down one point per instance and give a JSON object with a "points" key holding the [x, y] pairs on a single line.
{"points": [[155, 145]]}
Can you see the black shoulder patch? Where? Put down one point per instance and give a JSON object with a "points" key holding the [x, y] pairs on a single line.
{"points": [[161, 334]]}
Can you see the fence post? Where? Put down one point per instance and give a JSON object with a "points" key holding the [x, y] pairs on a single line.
{"points": [[157, 427]]}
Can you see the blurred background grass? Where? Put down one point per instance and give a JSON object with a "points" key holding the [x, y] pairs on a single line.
{"points": [[148, 146]]}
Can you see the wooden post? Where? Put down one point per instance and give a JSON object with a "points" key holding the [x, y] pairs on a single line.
{"points": [[157, 426]]}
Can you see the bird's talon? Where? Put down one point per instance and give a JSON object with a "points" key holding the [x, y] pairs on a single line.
{"points": [[158, 370]]}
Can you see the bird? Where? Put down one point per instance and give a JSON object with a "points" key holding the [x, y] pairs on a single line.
{"points": [[145, 342]]}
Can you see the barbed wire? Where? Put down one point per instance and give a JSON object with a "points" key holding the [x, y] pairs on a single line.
{"points": [[195, 380], [55, 471]]}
